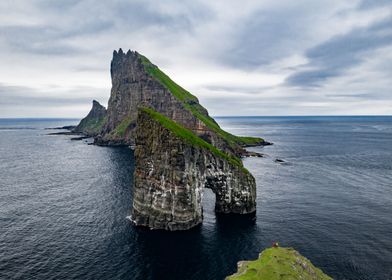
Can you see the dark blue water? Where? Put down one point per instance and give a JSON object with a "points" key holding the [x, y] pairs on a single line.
{"points": [[63, 204]]}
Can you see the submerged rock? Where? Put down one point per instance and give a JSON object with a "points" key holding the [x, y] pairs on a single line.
{"points": [[64, 133], [173, 165], [252, 154], [278, 264], [66, 127], [80, 138]]}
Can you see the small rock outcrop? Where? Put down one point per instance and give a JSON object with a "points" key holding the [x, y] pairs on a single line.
{"points": [[278, 264], [92, 124], [173, 166]]}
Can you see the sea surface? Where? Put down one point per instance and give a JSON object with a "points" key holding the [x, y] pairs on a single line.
{"points": [[63, 204]]}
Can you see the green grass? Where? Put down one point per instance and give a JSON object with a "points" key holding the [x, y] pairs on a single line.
{"points": [[191, 138], [247, 140], [278, 263], [121, 128], [91, 126], [191, 103], [178, 91]]}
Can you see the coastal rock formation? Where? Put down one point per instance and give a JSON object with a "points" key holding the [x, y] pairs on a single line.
{"points": [[136, 82], [278, 264], [92, 124], [173, 166], [180, 149]]}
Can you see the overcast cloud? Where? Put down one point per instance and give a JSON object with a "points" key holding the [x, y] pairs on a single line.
{"points": [[326, 57]]}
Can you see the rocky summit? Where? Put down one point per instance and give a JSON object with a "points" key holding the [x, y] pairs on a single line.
{"points": [[173, 166], [137, 82], [180, 149]]}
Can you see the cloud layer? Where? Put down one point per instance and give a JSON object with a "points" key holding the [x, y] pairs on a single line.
{"points": [[260, 57]]}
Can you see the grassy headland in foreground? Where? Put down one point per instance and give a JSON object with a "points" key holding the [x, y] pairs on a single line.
{"points": [[278, 263]]}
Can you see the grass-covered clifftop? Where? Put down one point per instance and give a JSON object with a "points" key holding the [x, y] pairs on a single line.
{"points": [[191, 103], [278, 264], [191, 138]]}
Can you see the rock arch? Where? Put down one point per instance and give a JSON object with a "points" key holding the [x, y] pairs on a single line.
{"points": [[171, 173]]}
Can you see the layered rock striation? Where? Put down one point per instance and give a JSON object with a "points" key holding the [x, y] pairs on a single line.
{"points": [[172, 168], [92, 124]]}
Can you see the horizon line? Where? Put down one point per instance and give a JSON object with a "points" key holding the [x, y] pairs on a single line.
{"points": [[227, 116]]}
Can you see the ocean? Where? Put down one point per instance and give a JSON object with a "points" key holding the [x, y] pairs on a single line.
{"points": [[63, 204]]}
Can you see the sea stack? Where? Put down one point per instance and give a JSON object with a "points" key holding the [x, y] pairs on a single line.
{"points": [[136, 82], [92, 124], [180, 149], [173, 166]]}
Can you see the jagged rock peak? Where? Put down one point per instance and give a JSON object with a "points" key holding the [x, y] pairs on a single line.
{"points": [[125, 64], [92, 124], [97, 109], [97, 104], [120, 53], [134, 85]]}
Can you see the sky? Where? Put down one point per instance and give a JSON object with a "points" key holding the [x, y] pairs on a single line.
{"points": [[249, 58]]}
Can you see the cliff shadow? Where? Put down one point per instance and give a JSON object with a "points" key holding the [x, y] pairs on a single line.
{"points": [[235, 221], [224, 221], [172, 255]]}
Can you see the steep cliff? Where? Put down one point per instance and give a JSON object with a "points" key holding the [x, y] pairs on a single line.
{"points": [[92, 124], [137, 82], [173, 166], [278, 264], [180, 149]]}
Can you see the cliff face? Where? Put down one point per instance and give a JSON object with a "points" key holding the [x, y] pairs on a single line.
{"points": [[180, 149], [92, 124], [137, 82], [173, 166], [132, 87]]}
